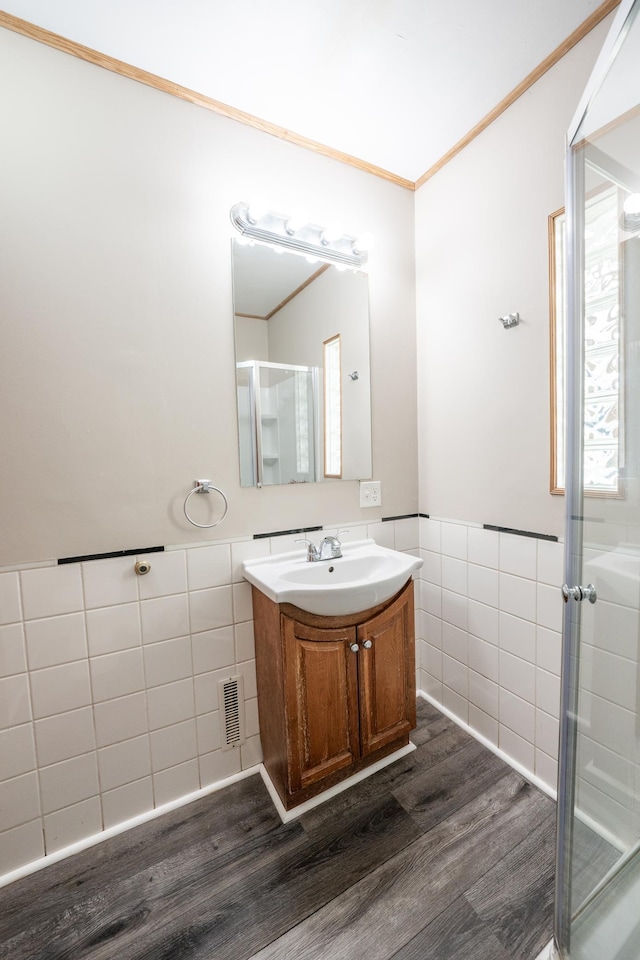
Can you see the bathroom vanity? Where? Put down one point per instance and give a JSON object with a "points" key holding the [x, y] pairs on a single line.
{"points": [[335, 693]]}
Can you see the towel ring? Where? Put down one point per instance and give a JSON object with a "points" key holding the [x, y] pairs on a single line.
{"points": [[205, 486]]}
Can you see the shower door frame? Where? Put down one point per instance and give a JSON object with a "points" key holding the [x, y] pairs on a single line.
{"points": [[574, 492], [573, 545]]}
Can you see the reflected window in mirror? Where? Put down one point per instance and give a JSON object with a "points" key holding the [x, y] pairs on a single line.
{"points": [[332, 370], [285, 310], [602, 396]]}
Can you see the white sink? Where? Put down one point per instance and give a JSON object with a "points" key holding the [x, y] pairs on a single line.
{"points": [[363, 577]]}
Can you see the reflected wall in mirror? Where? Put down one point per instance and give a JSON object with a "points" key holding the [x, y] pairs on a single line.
{"points": [[603, 400], [285, 311]]}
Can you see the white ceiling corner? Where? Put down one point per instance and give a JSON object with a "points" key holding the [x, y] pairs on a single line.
{"points": [[395, 83]]}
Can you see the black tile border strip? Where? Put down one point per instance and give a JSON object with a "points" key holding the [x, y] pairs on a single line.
{"points": [[521, 533], [285, 533], [111, 555], [403, 516]]}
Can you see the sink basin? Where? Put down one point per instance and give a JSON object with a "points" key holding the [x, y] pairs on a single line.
{"points": [[363, 577]]}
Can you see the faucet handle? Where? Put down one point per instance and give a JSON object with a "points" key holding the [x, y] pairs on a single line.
{"points": [[312, 550]]}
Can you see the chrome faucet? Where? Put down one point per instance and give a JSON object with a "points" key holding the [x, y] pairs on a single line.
{"points": [[329, 549]]}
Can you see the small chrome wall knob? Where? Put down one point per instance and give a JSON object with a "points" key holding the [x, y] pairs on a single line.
{"points": [[142, 567], [367, 644]]}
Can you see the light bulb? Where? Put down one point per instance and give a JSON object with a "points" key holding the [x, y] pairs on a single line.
{"points": [[332, 231], [311, 259], [256, 209], [341, 266], [298, 219], [631, 205], [364, 242]]}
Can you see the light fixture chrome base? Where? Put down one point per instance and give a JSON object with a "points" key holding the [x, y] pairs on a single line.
{"points": [[307, 240]]}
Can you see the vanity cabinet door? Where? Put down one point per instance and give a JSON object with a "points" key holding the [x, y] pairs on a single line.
{"points": [[387, 674], [321, 677]]}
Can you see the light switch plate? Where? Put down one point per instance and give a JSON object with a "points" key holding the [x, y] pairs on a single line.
{"points": [[370, 493]]}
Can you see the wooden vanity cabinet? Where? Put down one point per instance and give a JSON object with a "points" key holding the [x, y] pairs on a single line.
{"points": [[335, 694]]}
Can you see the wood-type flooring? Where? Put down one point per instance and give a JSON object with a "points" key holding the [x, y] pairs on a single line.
{"points": [[446, 854]]}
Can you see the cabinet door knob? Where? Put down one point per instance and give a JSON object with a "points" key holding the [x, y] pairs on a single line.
{"points": [[367, 644], [353, 647]]}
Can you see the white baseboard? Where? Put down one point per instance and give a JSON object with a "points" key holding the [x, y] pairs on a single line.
{"points": [[598, 828], [522, 770], [149, 815], [288, 815], [95, 838]]}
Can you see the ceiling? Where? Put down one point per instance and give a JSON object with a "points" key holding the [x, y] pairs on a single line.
{"points": [[395, 83]]}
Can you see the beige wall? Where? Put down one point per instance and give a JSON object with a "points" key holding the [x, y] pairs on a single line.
{"points": [[116, 367], [481, 252]]}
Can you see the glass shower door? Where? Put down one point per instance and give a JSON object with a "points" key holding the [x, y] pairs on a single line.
{"points": [[598, 867], [277, 414]]}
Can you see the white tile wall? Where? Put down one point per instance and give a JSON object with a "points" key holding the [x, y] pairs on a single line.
{"points": [[120, 718], [13, 658], [15, 706], [210, 609], [116, 674], [164, 618], [63, 784], [108, 681], [64, 735], [168, 575], [175, 782], [453, 540], [72, 824], [124, 762], [127, 801], [108, 581], [58, 689], [56, 640], [170, 703], [10, 607], [110, 629], [489, 632], [484, 547], [49, 591], [17, 751]]}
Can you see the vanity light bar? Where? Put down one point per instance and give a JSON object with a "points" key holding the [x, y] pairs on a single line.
{"points": [[308, 239]]}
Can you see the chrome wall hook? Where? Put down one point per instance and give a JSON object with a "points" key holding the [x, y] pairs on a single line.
{"points": [[511, 320]]}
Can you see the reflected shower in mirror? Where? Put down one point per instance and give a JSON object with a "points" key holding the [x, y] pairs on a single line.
{"points": [[286, 309]]}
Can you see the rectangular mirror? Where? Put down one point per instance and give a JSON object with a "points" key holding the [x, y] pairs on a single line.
{"points": [[286, 311]]}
